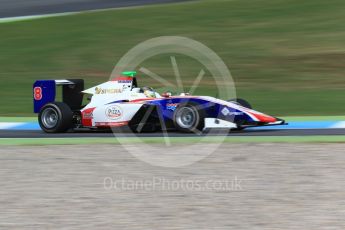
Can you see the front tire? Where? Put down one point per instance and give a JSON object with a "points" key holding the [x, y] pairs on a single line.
{"points": [[55, 117], [241, 102], [187, 118]]}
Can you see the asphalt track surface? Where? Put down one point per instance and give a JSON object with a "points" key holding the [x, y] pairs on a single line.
{"points": [[15, 8], [82, 133]]}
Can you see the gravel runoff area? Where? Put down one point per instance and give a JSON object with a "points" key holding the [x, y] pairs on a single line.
{"points": [[240, 186]]}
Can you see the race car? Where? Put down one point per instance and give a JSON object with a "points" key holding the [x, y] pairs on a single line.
{"points": [[121, 102]]}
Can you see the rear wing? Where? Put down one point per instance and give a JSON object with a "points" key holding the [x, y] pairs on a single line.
{"points": [[44, 92]]}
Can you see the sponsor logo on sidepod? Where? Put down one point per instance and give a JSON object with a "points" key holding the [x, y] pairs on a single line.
{"points": [[88, 115], [113, 112], [225, 111], [172, 106], [99, 90]]}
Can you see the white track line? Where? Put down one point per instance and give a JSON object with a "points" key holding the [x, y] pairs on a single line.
{"points": [[338, 125], [33, 17], [9, 125]]}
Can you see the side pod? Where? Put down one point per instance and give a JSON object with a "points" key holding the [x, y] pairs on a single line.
{"points": [[145, 120]]}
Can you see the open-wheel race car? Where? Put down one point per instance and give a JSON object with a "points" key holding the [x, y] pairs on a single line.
{"points": [[121, 102]]}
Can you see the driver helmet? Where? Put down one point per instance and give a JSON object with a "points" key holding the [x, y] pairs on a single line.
{"points": [[148, 91]]}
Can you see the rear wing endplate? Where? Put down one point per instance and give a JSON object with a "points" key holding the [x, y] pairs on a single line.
{"points": [[44, 92]]}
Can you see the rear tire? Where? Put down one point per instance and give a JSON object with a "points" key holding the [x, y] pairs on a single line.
{"points": [[187, 118], [55, 117]]}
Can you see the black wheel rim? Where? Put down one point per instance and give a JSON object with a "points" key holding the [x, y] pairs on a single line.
{"points": [[186, 117], [49, 118]]}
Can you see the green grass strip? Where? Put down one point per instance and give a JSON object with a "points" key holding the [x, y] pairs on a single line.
{"points": [[292, 118], [286, 57], [315, 118], [174, 140], [18, 119]]}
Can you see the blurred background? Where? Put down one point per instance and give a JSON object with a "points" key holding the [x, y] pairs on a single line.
{"points": [[287, 57]]}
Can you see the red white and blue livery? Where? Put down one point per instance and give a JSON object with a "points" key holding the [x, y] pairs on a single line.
{"points": [[121, 102]]}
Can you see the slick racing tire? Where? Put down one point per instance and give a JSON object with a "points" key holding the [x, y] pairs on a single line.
{"points": [[241, 102], [55, 117], [187, 118]]}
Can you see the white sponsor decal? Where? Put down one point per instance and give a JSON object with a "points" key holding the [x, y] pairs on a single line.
{"points": [[113, 112], [225, 111], [99, 90], [236, 113]]}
